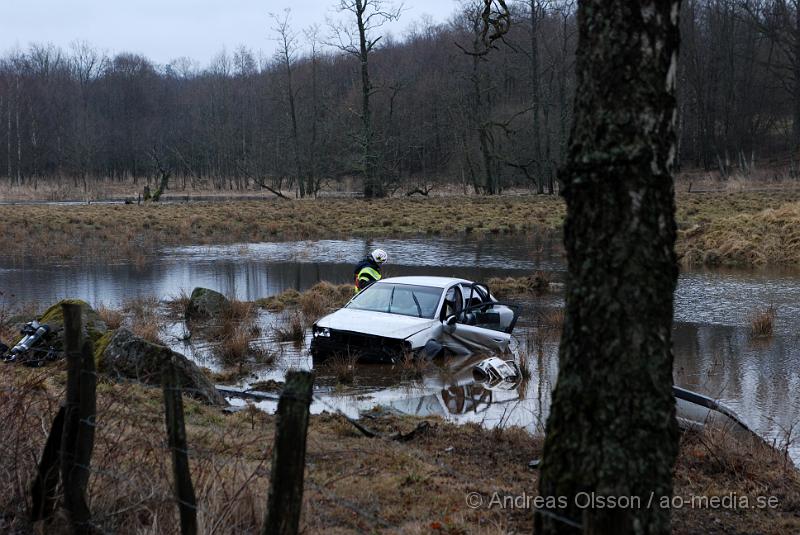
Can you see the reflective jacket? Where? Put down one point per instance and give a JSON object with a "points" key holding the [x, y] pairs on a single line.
{"points": [[366, 272]]}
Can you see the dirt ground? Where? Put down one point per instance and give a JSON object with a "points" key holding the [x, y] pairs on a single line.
{"points": [[353, 484]]}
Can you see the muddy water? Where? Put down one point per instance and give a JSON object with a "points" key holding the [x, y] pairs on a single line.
{"points": [[714, 352]]}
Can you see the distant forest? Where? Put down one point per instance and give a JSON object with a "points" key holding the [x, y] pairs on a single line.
{"points": [[397, 113]]}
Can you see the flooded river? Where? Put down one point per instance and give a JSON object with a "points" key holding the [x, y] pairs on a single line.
{"points": [[714, 352]]}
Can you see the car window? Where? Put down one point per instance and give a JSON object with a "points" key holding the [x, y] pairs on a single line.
{"points": [[473, 295], [495, 317], [453, 303], [404, 299]]}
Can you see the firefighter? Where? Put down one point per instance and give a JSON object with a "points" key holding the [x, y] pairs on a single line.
{"points": [[369, 269]]}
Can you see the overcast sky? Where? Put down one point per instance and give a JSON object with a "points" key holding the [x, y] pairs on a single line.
{"points": [[166, 29]]}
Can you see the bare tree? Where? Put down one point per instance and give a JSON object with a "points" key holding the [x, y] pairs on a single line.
{"points": [[287, 51], [357, 38], [420, 111], [313, 184], [779, 22], [485, 26]]}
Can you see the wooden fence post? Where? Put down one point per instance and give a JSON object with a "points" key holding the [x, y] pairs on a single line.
{"points": [[77, 439], [43, 492], [176, 431], [285, 500]]}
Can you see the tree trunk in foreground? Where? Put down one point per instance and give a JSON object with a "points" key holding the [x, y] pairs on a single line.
{"points": [[612, 428]]}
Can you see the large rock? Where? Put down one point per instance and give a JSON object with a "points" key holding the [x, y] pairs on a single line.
{"points": [[205, 304], [127, 355]]}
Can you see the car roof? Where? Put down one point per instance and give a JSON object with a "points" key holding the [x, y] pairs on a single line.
{"points": [[436, 282]]}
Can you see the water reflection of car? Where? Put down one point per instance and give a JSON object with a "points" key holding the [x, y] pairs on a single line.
{"points": [[418, 315]]}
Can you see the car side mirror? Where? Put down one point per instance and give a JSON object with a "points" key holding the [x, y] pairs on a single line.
{"points": [[451, 320]]}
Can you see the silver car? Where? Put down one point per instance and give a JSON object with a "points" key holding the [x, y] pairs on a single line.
{"points": [[418, 315]]}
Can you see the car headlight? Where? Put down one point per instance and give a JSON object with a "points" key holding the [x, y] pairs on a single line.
{"points": [[324, 332]]}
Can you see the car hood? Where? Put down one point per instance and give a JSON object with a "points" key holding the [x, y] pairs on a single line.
{"points": [[375, 323]]}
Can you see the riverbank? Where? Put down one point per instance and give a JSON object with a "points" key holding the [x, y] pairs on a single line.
{"points": [[353, 483], [128, 232], [717, 228], [768, 236]]}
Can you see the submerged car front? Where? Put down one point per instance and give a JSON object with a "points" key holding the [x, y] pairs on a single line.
{"points": [[383, 322]]}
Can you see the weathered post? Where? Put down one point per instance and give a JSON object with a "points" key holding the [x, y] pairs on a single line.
{"points": [[43, 492], [176, 431], [77, 438], [87, 411], [289, 456]]}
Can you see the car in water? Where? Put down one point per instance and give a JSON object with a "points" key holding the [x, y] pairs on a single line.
{"points": [[421, 316]]}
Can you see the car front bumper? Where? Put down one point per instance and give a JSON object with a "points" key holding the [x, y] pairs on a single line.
{"points": [[331, 342]]}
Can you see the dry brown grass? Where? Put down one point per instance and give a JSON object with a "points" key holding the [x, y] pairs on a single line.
{"points": [[737, 227], [524, 364], [513, 286], [240, 310], [553, 319], [747, 230], [111, 317], [322, 298], [235, 347], [291, 330], [12, 314], [413, 367], [232, 335], [238, 319], [343, 368], [8, 333], [177, 304], [716, 464], [144, 318], [120, 231], [353, 484], [762, 322], [313, 303]]}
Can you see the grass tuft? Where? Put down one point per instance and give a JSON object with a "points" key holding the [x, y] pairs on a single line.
{"points": [[343, 368], [144, 317], [112, 318], [292, 330], [762, 322], [510, 286], [412, 366], [524, 368]]}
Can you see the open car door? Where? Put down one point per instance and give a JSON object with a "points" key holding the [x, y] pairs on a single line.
{"points": [[482, 325]]}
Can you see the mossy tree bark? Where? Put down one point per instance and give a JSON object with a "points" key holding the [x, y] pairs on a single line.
{"points": [[612, 428]]}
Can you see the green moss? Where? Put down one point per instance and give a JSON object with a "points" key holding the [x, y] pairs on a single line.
{"points": [[100, 348], [55, 314]]}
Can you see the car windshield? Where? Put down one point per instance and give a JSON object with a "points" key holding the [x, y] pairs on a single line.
{"points": [[405, 299]]}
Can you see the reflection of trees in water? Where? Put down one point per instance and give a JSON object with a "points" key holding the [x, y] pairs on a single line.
{"points": [[757, 378]]}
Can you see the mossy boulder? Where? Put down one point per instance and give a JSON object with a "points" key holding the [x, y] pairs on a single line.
{"points": [[93, 327], [204, 304], [128, 356]]}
